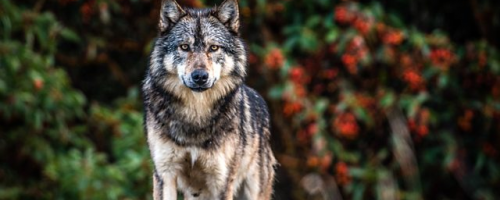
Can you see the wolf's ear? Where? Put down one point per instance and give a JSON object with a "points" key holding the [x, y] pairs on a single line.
{"points": [[170, 13], [228, 14]]}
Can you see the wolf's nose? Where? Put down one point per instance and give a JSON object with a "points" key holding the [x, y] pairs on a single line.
{"points": [[199, 76]]}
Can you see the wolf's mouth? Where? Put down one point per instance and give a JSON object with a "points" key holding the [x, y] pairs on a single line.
{"points": [[198, 89]]}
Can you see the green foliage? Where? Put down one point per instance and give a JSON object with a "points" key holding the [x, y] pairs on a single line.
{"points": [[61, 148], [345, 74]]}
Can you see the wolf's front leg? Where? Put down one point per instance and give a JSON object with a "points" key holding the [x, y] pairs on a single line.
{"points": [[229, 194], [164, 187]]}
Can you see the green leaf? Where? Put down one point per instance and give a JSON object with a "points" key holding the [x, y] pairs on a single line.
{"points": [[321, 105], [357, 172], [332, 35], [362, 114], [70, 35], [276, 92], [495, 66], [37, 120], [396, 21], [3, 86], [430, 72], [443, 80], [479, 163], [377, 10], [6, 26], [387, 100], [313, 21], [290, 43], [359, 192]]}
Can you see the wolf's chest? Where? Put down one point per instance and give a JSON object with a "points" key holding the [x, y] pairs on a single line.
{"points": [[195, 172], [199, 172]]}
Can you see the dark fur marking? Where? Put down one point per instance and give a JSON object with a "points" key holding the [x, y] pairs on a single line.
{"points": [[253, 114], [260, 108], [243, 140], [178, 59], [242, 120], [203, 12], [198, 45], [236, 73], [160, 183]]}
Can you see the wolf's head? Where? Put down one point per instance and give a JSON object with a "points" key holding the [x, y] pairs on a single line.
{"points": [[198, 50]]}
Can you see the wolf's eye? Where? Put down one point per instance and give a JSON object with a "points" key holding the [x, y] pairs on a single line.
{"points": [[185, 47], [214, 48]]}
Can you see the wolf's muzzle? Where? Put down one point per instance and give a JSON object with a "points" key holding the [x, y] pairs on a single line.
{"points": [[199, 77]]}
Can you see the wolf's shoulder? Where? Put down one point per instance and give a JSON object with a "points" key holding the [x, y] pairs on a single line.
{"points": [[257, 104], [254, 97]]}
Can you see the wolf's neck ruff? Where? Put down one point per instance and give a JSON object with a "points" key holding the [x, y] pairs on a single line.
{"points": [[178, 124]]}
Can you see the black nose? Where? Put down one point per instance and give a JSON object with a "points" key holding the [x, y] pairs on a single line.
{"points": [[199, 76]]}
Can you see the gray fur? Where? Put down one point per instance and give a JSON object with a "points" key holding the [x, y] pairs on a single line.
{"points": [[187, 124]]}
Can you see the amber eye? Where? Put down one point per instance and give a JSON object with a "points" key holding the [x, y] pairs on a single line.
{"points": [[214, 48], [184, 47]]}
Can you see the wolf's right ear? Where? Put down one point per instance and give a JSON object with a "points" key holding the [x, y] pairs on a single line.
{"points": [[170, 13]]}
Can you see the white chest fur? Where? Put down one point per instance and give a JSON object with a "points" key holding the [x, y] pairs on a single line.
{"points": [[196, 171]]}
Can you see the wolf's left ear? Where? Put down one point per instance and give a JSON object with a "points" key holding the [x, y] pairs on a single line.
{"points": [[229, 14], [170, 13]]}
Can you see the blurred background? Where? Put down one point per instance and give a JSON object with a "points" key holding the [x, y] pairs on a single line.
{"points": [[389, 99]]}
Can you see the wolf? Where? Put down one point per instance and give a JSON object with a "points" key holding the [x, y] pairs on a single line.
{"points": [[208, 133]]}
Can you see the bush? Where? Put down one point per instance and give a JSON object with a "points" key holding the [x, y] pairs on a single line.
{"points": [[54, 144], [383, 109]]}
